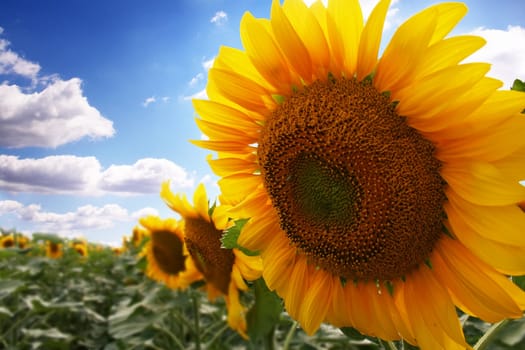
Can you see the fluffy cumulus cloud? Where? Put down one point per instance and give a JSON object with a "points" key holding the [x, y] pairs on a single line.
{"points": [[49, 112], [57, 115], [87, 217], [145, 176], [219, 18], [68, 174], [505, 51]]}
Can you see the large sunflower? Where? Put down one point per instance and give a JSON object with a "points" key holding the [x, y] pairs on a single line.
{"points": [[168, 258], [223, 269], [381, 192]]}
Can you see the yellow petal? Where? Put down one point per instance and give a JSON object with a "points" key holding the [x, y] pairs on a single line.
{"points": [[231, 166], [379, 302], [237, 187], [428, 330], [298, 284], [449, 14], [224, 115], [500, 106], [290, 43], [279, 262], [238, 89], [438, 307], [200, 202], [401, 58], [316, 301], [264, 53], [504, 258], [225, 146], [371, 40], [447, 53], [311, 34], [477, 285], [482, 184], [233, 59], [257, 232], [504, 224], [433, 90], [222, 132], [344, 24], [454, 111]]}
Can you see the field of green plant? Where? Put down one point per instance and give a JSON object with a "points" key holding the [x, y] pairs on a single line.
{"points": [[102, 300]]}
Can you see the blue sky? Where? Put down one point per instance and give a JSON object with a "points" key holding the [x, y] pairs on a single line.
{"points": [[95, 101]]}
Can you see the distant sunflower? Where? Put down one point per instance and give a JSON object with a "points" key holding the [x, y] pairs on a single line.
{"points": [[54, 250], [224, 269], [381, 192], [81, 247], [168, 259], [7, 241], [138, 235], [22, 241]]}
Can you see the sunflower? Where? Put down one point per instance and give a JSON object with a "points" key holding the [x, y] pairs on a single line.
{"points": [[168, 259], [138, 235], [81, 247], [54, 250], [381, 192], [224, 269], [23, 241], [7, 241]]}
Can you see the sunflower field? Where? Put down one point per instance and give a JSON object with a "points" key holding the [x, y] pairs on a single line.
{"points": [[100, 298]]}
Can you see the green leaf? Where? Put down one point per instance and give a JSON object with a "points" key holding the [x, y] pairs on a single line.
{"points": [[518, 85], [46, 237], [51, 333], [352, 333], [519, 281], [9, 286], [230, 236], [265, 313], [5, 311]]}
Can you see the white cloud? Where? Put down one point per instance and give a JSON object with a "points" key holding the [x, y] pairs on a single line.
{"points": [[87, 217], [219, 18], [55, 116], [153, 99], [9, 206], [149, 101], [68, 174], [199, 95], [12, 63], [199, 77], [144, 212], [207, 64], [506, 52], [145, 176]]}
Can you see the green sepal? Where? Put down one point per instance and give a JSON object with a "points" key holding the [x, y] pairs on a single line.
{"points": [[265, 314], [230, 236], [518, 85], [279, 99]]}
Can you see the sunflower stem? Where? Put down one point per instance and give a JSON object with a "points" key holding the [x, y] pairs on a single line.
{"points": [[289, 336], [268, 340], [491, 333], [195, 300]]}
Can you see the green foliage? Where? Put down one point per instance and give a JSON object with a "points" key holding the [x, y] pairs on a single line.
{"points": [[230, 236], [104, 302]]}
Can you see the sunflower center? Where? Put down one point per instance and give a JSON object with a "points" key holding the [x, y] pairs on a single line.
{"points": [[167, 249], [356, 189], [204, 244]]}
